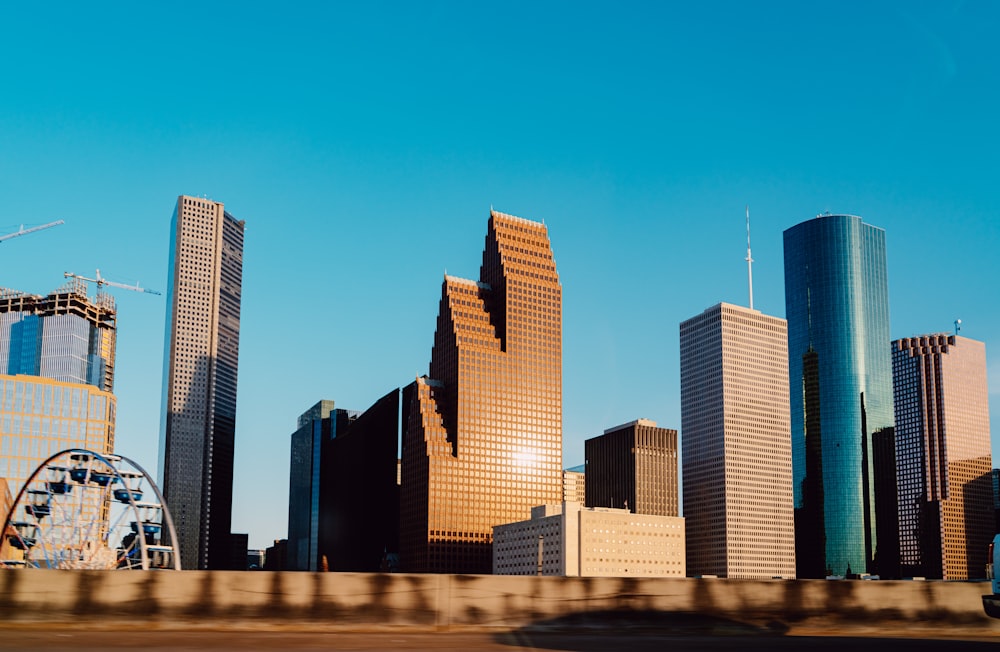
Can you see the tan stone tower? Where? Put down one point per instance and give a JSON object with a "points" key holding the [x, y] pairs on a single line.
{"points": [[482, 440], [198, 421], [737, 461]]}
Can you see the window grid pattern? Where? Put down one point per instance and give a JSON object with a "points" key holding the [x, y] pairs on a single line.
{"points": [[737, 450], [633, 467], [482, 442], [837, 307], [570, 540], [943, 456], [41, 416], [197, 432]]}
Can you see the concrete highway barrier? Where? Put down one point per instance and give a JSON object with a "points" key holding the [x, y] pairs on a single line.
{"points": [[359, 602]]}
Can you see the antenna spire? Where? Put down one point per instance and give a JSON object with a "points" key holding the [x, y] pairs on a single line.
{"points": [[749, 259]]}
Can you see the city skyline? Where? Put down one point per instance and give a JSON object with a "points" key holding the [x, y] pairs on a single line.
{"points": [[636, 134]]}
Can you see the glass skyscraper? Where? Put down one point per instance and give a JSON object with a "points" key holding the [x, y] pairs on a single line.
{"points": [[314, 427], [840, 371]]}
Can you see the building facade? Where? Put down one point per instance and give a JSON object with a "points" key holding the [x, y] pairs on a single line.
{"points": [[482, 434], [359, 490], [201, 352], [570, 540], [343, 499], [943, 456], [64, 335], [315, 426], [737, 451], [575, 484], [840, 389], [633, 466], [40, 417]]}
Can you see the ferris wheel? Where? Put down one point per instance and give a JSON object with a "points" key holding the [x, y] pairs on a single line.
{"points": [[87, 511]]}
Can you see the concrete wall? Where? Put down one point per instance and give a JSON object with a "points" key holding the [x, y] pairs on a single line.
{"points": [[354, 601]]}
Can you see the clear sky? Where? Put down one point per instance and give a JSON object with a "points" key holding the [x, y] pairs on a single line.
{"points": [[365, 142]]}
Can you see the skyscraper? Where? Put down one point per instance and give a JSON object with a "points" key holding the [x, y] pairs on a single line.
{"points": [[943, 456], [633, 466], [737, 451], [315, 426], [343, 498], [840, 371], [359, 491], [482, 440], [201, 351]]}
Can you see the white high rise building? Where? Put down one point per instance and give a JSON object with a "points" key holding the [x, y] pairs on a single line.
{"points": [[201, 352], [736, 444]]}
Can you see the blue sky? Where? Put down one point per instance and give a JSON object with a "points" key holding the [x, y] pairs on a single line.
{"points": [[364, 144]]}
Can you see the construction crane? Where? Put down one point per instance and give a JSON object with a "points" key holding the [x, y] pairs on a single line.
{"points": [[24, 231], [100, 280]]}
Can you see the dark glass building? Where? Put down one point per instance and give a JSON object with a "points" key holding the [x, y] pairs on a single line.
{"points": [[343, 497], [359, 490], [840, 371], [315, 426]]}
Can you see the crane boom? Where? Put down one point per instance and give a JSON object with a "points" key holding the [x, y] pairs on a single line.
{"points": [[100, 280], [24, 231]]}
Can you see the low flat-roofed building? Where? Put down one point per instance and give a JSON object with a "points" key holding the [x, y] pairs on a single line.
{"points": [[570, 540]]}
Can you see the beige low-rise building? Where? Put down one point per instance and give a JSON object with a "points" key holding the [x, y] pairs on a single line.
{"points": [[568, 539]]}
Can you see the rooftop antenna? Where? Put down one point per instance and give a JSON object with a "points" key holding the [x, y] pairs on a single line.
{"points": [[958, 326], [749, 259]]}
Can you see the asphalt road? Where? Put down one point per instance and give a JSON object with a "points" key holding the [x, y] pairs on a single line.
{"points": [[103, 641]]}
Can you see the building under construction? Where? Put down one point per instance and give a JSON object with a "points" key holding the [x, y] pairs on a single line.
{"points": [[65, 335]]}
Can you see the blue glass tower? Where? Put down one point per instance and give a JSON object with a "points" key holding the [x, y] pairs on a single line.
{"points": [[840, 370]]}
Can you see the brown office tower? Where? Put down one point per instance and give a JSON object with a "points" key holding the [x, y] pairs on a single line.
{"points": [[202, 342], [942, 456], [735, 429], [633, 467], [482, 434]]}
